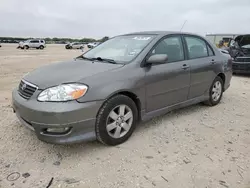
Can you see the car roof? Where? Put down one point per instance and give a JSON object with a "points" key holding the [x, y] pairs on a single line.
{"points": [[36, 39], [159, 33]]}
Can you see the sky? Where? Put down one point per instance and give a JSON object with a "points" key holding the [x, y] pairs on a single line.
{"points": [[98, 18]]}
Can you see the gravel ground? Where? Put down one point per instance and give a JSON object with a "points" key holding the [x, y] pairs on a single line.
{"points": [[196, 147]]}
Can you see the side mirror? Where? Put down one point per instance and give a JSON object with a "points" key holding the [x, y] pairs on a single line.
{"points": [[157, 59]]}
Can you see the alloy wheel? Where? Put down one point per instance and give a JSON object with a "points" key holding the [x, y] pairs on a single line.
{"points": [[216, 91], [119, 121]]}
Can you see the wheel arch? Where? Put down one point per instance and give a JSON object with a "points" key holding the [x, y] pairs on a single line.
{"points": [[132, 96], [223, 77]]}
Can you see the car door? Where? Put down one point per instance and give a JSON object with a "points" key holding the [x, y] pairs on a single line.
{"points": [[75, 45], [35, 43], [167, 84], [202, 61], [31, 44]]}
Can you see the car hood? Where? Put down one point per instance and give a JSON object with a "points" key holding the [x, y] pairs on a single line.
{"points": [[67, 72]]}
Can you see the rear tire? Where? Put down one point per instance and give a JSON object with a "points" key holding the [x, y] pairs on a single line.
{"points": [[215, 92], [26, 47], [116, 120]]}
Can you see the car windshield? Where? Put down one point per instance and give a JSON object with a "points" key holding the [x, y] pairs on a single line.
{"points": [[121, 49]]}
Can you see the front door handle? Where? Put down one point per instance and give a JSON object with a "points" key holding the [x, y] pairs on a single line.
{"points": [[212, 61], [185, 66]]}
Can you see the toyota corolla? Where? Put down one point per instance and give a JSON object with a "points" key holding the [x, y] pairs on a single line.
{"points": [[105, 92]]}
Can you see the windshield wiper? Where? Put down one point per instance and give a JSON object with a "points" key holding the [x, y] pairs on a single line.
{"points": [[104, 59], [99, 59], [83, 57]]}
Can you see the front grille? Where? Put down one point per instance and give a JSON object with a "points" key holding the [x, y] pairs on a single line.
{"points": [[26, 89], [241, 67], [242, 59]]}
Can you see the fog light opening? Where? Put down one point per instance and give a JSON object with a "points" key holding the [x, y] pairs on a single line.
{"points": [[59, 130]]}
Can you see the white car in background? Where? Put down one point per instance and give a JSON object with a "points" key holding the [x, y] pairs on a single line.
{"points": [[32, 43], [93, 44], [74, 45]]}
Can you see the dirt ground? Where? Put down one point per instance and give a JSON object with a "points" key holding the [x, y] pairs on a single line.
{"points": [[195, 147]]}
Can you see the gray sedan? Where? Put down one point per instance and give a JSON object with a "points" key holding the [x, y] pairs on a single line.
{"points": [[105, 92]]}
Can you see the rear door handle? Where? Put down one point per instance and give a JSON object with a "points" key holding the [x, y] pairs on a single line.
{"points": [[185, 66]]}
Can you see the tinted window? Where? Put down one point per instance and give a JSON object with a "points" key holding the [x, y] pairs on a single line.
{"points": [[172, 47], [34, 41], [197, 47]]}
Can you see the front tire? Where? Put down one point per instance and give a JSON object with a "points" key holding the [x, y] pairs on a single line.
{"points": [[41, 47], [116, 120], [215, 92], [26, 47]]}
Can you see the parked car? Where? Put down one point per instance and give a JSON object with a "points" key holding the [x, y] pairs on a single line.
{"points": [[105, 92], [74, 45], [0, 45], [20, 44], [33, 43], [239, 49], [93, 44]]}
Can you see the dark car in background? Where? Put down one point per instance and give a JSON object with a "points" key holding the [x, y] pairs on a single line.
{"points": [[105, 92], [239, 49]]}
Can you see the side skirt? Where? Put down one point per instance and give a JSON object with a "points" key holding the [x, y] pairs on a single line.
{"points": [[147, 116]]}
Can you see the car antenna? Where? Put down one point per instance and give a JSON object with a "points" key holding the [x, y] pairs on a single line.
{"points": [[183, 25]]}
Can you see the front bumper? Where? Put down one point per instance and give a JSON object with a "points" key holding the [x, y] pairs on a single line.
{"points": [[241, 67], [39, 116]]}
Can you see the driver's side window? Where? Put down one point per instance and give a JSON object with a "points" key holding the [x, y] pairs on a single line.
{"points": [[172, 47]]}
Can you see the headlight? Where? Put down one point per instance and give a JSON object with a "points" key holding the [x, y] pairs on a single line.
{"points": [[64, 92]]}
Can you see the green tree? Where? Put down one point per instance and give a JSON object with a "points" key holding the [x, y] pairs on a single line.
{"points": [[104, 39]]}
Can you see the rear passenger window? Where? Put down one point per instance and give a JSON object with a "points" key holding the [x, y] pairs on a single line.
{"points": [[172, 47], [34, 41], [210, 51], [197, 48]]}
